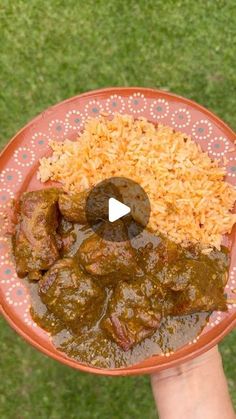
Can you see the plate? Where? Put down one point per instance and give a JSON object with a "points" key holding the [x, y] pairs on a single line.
{"points": [[18, 167]]}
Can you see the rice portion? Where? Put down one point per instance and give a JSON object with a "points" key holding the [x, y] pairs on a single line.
{"points": [[190, 201]]}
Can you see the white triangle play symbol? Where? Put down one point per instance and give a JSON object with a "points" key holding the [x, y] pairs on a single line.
{"points": [[116, 210]]}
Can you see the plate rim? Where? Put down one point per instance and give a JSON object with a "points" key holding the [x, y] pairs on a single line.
{"points": [[134, 369]]}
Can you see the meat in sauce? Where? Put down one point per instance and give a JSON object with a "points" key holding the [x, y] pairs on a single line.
{"points": [[72, 296], [35, 243], [115, 259], [130, 317], [111, 297]]}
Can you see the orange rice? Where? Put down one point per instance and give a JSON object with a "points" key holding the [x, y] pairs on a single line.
{"points": [[190, 201]]}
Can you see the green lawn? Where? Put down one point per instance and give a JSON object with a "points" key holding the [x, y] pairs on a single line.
{"points": [[51, 50]]}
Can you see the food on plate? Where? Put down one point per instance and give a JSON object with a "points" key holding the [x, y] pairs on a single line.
{"points": [[190, 201], [112, 302], [130, 317], [74, 207], [71, 295], [110, 297], [35, 243], [109, 257]]}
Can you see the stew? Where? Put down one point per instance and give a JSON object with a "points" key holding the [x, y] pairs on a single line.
{"points": [[111, 303]]}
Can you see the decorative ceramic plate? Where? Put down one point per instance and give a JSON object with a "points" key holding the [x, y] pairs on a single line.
{"points": [[19, 164]]}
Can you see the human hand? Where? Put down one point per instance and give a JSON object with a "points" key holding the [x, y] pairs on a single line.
{"points": [[196, 389]]}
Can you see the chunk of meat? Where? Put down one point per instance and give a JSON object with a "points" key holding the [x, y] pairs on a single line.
{"points": [[115, 259], [188, 286], [35, 242], [89, 205], [72, 296], [130, 317], [153, 250], [190, 281], [72, 206], [203, 290]]}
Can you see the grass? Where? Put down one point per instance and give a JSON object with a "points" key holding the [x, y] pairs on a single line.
{"points": [[51, 50]]}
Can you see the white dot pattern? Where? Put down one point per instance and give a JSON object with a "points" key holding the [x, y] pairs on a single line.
{"points": [[74, 120], [11, 175], [137, 103], [57, 129], [202, 129], [218, 146], [231, 172], [24, 156], [39, 140], [6, 196], [159, 109], [93, 109], [114, 104], [181, 118]]}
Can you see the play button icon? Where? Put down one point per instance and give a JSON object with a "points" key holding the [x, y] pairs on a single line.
{"points": [[114, 202], [116, 210]]}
